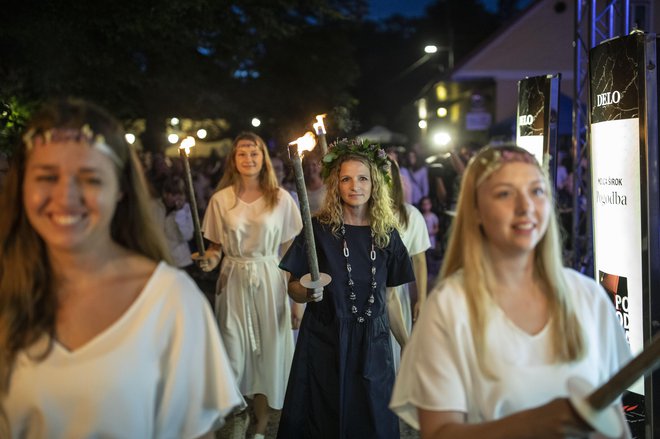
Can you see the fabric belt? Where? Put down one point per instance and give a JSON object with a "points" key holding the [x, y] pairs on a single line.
{"points": [[249, 265]]}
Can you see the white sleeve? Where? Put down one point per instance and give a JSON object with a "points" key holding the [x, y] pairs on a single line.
{"points": [[184, 222], [212, 224], [292, 224], [198, 388], [430, 377], [417, 236]]}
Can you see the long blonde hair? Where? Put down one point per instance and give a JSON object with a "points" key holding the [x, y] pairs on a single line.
{"points": [[267, 178], [396, 192], [466, 251], [28, 300], [381, 215]]}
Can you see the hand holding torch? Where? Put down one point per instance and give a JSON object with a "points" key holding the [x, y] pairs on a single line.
{"points": [[314, 279]]}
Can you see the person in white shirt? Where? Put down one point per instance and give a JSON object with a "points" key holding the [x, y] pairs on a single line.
{"points": [[416, 239], [250, 221], [178, 221], [508, 325], [99, 336]]}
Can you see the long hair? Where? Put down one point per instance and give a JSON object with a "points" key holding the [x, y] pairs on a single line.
{"points": [[28, 301], [396, 192], [267, 178], [381, 215], [466, 251]]}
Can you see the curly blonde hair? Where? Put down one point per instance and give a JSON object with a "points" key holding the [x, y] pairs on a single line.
{"points": [[381, 213]]}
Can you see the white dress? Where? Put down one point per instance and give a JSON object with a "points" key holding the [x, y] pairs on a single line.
{"points": [[439, 369], [160, 371], [252, 305], [416, 239]]}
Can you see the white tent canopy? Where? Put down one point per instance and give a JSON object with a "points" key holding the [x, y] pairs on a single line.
{"points": [[381, 134]]}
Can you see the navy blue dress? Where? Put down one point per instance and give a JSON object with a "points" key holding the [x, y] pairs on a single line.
{"points": [[342, 375]]}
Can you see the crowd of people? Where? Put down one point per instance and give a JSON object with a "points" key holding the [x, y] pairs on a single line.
{"points": [[105, 332]]}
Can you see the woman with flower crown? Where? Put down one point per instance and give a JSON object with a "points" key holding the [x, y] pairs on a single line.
{"points": [[507, 327], [342, 372], [99, 336]]}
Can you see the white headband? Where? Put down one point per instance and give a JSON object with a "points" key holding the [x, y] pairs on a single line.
{"points": [[32, 138]]}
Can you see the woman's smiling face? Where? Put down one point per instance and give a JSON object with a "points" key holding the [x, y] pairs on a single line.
{"points": [[513, 208], [70, 192]]}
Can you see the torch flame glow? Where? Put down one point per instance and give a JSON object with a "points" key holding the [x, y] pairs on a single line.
{"points": [[318, 126], [187, 143], [305, 143]]}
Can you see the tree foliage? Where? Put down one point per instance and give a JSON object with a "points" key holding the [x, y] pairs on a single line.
{"points": [[150, 59], [281, 60]]}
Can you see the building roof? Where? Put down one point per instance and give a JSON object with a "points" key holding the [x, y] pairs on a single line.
{"points": [[538, 42]]}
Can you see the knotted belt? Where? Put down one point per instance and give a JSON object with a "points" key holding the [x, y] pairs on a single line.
{"points": [[249, 265]]}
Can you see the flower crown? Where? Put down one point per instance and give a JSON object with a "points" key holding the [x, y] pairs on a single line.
{"points": [[361, 147], [502, 155], [85, 134]]}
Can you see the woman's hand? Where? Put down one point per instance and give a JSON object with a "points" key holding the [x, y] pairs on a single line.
{"points": [[209, 261], [315, 295], [558, 419], [554, 420], [300, 294]]}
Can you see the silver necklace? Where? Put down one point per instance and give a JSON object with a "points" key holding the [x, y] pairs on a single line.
{"points": [[351, 293]]}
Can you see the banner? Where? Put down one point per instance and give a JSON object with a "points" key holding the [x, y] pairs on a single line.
{"points": [[620, 189], [538, 106]]}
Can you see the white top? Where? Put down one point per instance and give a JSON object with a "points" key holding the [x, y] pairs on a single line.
{"points": [[160, 371], [415, 237], [252, 304], [178, 228], [416, 240], [439, 369]]}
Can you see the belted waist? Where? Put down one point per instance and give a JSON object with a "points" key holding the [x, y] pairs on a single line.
{"points": [[249, 265], [246, 260]]}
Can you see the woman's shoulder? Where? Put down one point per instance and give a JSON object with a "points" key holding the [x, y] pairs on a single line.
{"points": [[284, 196], [227, 191], [449, 292], [174, 289], [579, 280], [585, 290]]}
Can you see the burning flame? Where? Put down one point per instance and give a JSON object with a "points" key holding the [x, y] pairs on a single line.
{"points": [[305, 143], [318, 126], [187, 143]]}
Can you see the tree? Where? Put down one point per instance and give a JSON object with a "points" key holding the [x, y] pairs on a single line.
{"points": [[150, 59]]}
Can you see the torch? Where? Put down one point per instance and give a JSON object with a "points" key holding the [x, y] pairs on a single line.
{"points": [[595, 406], [184, 150], [314, 278], [320, 133]]}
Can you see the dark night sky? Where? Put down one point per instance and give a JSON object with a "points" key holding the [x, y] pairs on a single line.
{"points": [[411, 8]]}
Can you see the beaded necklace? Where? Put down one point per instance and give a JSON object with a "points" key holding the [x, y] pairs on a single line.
{"points": [[351, 294]]}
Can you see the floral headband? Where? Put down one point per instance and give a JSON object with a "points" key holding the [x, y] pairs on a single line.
{"points": [[97, 141], [360, 147], [493, 159]]}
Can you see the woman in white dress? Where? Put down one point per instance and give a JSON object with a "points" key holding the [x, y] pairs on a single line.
{"points": [[247, 221], [98, 336], [508, 325], [416, 239]]}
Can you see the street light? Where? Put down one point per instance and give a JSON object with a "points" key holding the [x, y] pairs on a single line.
{"points": [[429, 51]]}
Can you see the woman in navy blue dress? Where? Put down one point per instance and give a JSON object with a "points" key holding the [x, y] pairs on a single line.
{"points": [[342, 374]]}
